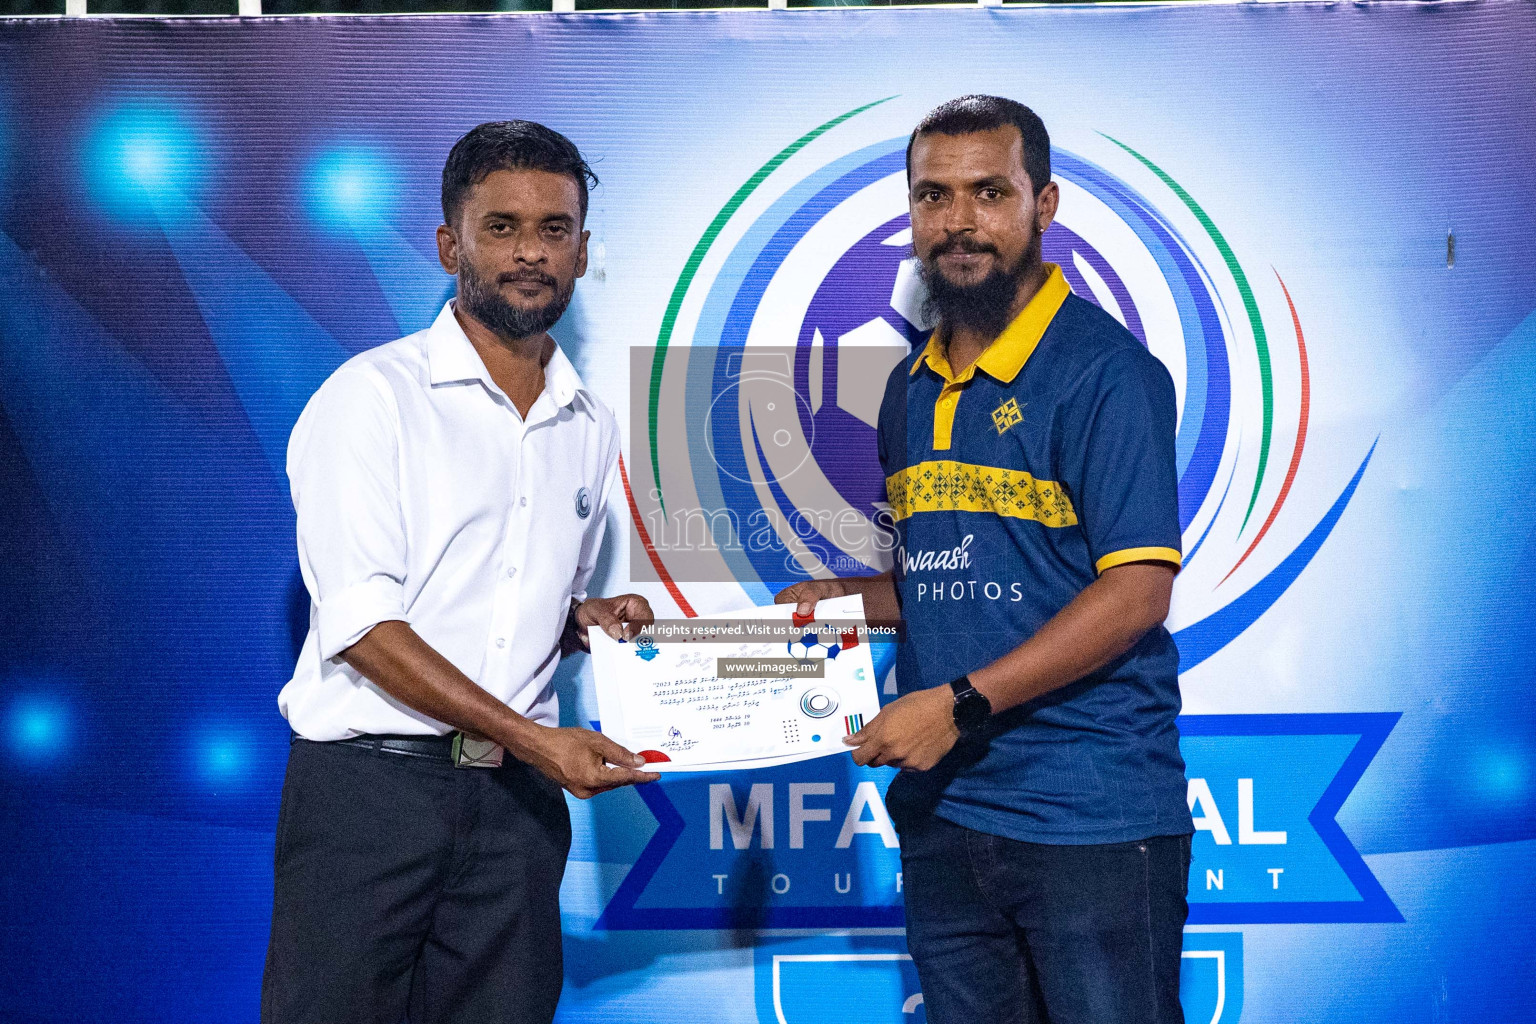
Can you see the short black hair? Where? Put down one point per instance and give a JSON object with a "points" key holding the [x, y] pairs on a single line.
{"points": [[977, 113], [510, 145]]}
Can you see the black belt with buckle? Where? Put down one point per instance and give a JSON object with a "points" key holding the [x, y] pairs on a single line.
{"points": [[436, 748]]}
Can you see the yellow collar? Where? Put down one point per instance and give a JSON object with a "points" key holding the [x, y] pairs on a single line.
{"points": [[1005, 357]]}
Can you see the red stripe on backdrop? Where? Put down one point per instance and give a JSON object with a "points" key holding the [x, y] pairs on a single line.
{"points": [[650, 549], [1301, 430]]}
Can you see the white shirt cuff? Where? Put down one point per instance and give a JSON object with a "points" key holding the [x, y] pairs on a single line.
{"points": [[347, 615]]}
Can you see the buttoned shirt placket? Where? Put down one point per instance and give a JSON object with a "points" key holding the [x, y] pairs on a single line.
{"points": [[514, 543], [504, 606]]}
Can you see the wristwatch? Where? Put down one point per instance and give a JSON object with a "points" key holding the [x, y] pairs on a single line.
{"points": [[972, 709]]}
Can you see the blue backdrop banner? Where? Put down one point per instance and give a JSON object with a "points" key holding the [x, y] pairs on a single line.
{"points": [[1319, 217]]}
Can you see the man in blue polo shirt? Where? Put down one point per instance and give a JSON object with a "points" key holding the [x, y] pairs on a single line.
{"points": [[1029, 457]]}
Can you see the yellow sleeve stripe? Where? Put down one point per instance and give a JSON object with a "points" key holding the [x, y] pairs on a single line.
{"points": [[1125, 555]]}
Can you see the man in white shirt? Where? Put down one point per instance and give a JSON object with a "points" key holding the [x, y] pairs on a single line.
{"points": [[451, 490]]}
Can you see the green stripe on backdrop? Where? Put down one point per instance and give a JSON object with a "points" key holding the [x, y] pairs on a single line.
{"points": [[1261, 342]]}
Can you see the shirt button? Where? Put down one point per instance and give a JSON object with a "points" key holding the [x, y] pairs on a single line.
{"points": [[523, 502], [501, 641], [511, 571]]}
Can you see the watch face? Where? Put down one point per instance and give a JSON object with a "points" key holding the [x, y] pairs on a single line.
{"points": [[971, 710]]}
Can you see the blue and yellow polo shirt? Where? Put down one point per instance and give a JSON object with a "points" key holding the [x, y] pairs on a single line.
{"points": [[1012, 486]]}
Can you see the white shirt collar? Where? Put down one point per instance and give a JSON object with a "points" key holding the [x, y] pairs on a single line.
{"points": [[451, 358], [561, 382]]}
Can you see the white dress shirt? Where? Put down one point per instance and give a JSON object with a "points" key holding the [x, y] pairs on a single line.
{"points": [[423, 496]]}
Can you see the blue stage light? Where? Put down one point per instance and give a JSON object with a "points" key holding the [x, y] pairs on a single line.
{"points": [[224, 760], [1504, 775], [38, 728], [350, 187], [143, 156]]}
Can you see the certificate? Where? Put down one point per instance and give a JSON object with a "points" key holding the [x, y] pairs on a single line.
{"points": [[727, 701]]}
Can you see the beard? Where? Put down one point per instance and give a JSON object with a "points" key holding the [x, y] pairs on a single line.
{"points": [[481, 299], [984, 307]]}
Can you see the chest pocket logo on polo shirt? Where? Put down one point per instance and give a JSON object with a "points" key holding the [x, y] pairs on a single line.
{"points": [[583, 503], [1007, 415]]}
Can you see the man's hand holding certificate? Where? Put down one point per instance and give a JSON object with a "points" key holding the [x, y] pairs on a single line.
{"points": [[747, 689]]}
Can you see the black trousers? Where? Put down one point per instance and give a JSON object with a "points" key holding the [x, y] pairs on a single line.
{"points": [[407, 889]]}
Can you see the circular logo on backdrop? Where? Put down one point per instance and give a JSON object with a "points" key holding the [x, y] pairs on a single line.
{"points": [[817, 299]]}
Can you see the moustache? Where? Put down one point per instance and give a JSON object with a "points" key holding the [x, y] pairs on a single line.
{"points": [[961, 243], [527, 277]]}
